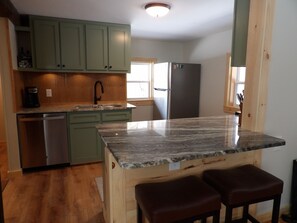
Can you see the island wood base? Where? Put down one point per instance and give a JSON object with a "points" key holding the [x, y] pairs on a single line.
{"points": [[118, 183]]}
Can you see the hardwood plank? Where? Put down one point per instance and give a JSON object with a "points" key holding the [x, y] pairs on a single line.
{"points": [[63, 195], [3, 165]]}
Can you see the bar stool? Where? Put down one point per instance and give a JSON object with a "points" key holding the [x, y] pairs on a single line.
{"points": [[245, 185], [182, 200]]}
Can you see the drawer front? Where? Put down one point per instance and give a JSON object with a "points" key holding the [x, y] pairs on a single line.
{"points": [[84, 117], [116, 116]]}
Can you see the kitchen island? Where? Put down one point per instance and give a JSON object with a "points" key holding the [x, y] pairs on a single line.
{"points": [[151, 151]]}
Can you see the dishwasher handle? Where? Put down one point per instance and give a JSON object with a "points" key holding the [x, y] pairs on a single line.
{"points": [[42, 118]]}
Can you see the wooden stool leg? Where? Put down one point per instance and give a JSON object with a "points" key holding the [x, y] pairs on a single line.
{"points": [[228, 216], [139, 214], [216, 217], [245, 213], [203, 220], [275, 211]]}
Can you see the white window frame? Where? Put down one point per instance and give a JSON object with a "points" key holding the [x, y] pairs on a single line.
{"points": [[231, 81], [150, 61]]}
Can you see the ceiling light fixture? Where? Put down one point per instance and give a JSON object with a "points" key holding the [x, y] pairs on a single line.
{"points": [[157, 9]]}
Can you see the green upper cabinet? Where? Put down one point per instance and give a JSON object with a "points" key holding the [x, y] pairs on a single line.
{"points": [[47, 44], [108, 48], [119, 42], [72, 46], [96, 47], [58, 45], [240, 33]]}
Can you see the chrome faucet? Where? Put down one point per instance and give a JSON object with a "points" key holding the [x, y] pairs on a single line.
{"points": [[95, 91]]}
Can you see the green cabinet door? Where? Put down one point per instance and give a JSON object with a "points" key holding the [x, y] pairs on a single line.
{"points": [[240, 33], [96, 47], [46, 44], [85, 143], [119, 41], [72, 46]]}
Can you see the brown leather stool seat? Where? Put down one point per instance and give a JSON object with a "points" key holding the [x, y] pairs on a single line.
{"points": [[181, 200], [245, 185]]}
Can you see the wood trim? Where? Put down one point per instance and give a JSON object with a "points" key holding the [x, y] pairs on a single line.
{"points": [[14, 173], [143, 59], [258, 59], [147, 102], [230, 109]]}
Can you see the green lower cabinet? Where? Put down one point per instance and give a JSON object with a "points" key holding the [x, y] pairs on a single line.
{"points": [[116, 116], [85, 143]]}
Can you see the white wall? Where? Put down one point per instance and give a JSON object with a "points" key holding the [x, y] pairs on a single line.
{"points": [[281, 117], [211, 52], [164, 51], [142, 113]]}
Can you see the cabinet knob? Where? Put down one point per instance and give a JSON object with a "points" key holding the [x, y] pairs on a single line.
{"points": [[110, 67], [105, 67], [58, 65], [63, 65]]}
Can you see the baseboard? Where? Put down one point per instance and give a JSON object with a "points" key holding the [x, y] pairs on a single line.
{"points": [[14, 173], [266, 217]]}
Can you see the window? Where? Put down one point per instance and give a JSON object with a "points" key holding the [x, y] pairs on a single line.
{"points": [[234, 85], [139, 80]]}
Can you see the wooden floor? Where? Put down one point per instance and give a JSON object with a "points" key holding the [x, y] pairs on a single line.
{"points": [[64, 195], [3, 165]]}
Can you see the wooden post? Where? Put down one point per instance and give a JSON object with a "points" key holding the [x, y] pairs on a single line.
{"points": [[257, 65]]}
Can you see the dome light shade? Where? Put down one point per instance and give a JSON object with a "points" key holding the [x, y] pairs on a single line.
{"points": [[157, 9]]}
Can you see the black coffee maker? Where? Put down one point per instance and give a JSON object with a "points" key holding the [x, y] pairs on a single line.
{"points": [[30, 97]]}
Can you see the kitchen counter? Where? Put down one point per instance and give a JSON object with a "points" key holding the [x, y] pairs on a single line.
{"points": [[78, 107], [154, 151], [151, 143]]}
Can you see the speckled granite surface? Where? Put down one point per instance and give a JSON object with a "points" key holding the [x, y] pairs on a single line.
{"points": [[150, 143], [77, 107]]}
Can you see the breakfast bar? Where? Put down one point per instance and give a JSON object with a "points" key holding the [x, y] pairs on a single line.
{"points": [[152, 151]]}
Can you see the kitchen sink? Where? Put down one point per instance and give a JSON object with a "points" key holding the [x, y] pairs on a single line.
{"points": [[96, 107], [87, 107]]}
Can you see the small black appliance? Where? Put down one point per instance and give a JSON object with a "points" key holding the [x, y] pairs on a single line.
{"points": [[30, 97]]}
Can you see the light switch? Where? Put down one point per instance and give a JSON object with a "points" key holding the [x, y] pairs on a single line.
{"points": [[48, 92]]}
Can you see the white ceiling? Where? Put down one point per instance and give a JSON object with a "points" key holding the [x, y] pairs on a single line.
{"points": [[187, 19]]}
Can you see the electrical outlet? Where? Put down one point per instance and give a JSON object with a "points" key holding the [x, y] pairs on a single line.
{"points": [[174, 166], [48, 92]]}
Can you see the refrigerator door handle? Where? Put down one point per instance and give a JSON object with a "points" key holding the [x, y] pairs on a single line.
{"points": [[160, 89]]}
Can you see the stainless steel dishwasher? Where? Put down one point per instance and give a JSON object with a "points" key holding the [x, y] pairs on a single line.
{"points": [[43, 139]]}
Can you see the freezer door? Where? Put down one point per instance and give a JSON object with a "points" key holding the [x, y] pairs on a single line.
{"points": [[185, 88], [160, 77], [160, 104]]}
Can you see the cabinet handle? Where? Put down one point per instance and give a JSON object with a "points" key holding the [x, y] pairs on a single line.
{"points": [[63, 65], [110, 67], [105, 67], [112, 165]]}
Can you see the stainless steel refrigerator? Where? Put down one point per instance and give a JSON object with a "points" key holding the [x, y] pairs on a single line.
{"points": [[176, 90]]}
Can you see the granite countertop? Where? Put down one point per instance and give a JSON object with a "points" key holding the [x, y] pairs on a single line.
{"points": [[151, 143], [78, 107]]}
